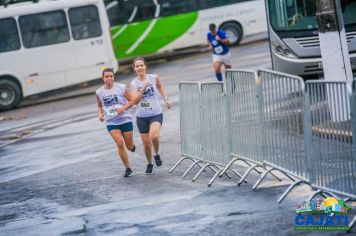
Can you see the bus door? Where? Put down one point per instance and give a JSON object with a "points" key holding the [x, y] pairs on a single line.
{"points": [[44, 37], [89, 52]]}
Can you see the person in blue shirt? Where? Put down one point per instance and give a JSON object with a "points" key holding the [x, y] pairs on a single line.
{"points": [[218, 43]]}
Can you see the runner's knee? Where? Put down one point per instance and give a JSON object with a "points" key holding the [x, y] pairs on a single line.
{"points": [[120, 143], [154, 136], [147, 146]]}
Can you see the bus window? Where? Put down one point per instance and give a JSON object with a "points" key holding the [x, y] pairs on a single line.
{"points": [[349, 11], [173, 7], [216, 3], [9, 36], [115, 11], [140, 10], [44, 29], [300, 14], [84, 22]]}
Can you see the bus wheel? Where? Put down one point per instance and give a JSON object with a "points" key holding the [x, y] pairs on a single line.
{"points": [[234, 31], [10, 94]]}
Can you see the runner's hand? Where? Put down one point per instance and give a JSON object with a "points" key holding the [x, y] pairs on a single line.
{"points": [[147, 83], [121, 110], [168, 104], [101, 117], [217, 37]]}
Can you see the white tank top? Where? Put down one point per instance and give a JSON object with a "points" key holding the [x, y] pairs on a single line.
{"points": [[149, 104], [111, 100]]}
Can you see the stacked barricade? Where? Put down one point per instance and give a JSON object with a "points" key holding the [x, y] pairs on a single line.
{"points": [[282, 98], [245, 122], [332, 164], [275, 122], [204, 129]]}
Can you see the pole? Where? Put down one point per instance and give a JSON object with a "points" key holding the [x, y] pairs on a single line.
{"points": [[334, 53], [333, 44]]}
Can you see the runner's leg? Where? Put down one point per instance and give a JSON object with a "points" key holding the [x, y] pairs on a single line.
{"points": [[147, 147], [117, 136], [154, 134], [128, 137], [217, 68]]}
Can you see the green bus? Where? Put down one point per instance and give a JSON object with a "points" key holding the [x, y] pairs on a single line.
{"points": [[159, 27]]}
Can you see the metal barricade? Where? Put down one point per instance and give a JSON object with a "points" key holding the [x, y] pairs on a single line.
{"points": [[353, 122], [215, 128], [332, 163], [282, 98], [244, 112], [203, 127], [190, 124]]}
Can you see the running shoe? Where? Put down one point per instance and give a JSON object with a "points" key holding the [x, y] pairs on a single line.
{"points": [[158, 160], [128, 172], [149, 169]]}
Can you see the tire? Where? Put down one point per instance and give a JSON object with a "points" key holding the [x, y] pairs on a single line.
{"points": [[10, 94], [234, 32]]}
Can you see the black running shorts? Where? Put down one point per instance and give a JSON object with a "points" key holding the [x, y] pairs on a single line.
{"points": [[143, 123]]}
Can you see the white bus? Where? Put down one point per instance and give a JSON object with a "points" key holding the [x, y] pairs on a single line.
{"points": [[152, 27], [50, 45], [294, 40]]}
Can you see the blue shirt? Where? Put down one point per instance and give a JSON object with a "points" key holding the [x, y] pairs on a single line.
{"points": [[218, 47]]}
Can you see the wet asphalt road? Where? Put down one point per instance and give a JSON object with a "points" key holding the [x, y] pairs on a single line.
{"points": [[63, 177]]}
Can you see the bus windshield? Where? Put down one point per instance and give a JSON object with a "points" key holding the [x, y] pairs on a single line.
{"points": [[288, 15]]}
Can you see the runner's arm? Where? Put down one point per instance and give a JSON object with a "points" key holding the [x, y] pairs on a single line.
{"points": [[162, 91], [129, 103], [225, 41], [100, 108], [137, 95], [209, 45]]}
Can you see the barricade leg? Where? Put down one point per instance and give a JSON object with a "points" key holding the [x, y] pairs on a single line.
{"points": [[238, 174], [264, 175], [323, 193], [201, 170], [213, 169], [191, 167], [352, 224], [253, 167], [178, 163], [215, 176], [290, 189], [228, 166], [261, 178], [232, 162]]}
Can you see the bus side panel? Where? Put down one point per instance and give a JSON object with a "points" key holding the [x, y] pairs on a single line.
{"points": [[163, 34], [159, 34], [89, 46], [124, 41], [42, 68], [250, 14]]}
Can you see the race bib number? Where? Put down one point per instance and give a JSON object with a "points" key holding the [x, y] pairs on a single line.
{"points": [[218, 50], [111, 111], [145, 104]]}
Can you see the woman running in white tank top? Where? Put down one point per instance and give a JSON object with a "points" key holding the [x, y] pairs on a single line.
{"points": [[113, 101], [146, 90]]}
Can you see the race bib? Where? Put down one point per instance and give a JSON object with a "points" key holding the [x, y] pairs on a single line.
{"points": [[218, 50], [145, 104], [111, 111]]}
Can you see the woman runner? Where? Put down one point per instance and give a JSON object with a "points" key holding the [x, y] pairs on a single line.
{"points": [[113, 103], [145, 89]]}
